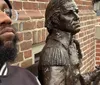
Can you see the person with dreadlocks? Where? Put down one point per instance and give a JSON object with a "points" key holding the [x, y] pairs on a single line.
{"points": [[11, 75]]}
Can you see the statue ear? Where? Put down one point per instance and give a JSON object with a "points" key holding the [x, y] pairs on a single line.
{"points": [[55, 20]]}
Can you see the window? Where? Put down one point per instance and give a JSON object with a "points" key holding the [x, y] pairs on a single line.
{"points": [[96, 5], [37, 48], [37, 57]]}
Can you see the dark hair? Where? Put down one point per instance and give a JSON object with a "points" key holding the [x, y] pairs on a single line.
{"points": [[8, 3]]}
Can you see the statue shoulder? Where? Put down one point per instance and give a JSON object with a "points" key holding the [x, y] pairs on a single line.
{"points": [[52, 51], [54, 47], [54, 55], [55, 42]]}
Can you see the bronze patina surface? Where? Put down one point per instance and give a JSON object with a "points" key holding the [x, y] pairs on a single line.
{"points": [[61, 57]]}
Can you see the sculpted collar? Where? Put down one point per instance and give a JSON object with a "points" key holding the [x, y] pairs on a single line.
{"points": [[64, 37]]}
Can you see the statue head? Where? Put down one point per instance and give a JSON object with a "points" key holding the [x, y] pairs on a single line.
{"points": [[62, 15]]}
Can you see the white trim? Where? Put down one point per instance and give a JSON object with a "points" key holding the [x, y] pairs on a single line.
{"points": [[5, 73], [38, 81], [2, 69]]}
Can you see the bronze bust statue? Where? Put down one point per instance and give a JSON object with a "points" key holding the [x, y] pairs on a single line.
{"points": [[61, 57]]}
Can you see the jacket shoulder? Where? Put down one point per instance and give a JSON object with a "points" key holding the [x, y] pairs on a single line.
{"points": [[24, 75]]}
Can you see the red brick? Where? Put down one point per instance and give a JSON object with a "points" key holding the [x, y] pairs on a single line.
{"points": [[28, 54], [97, 58], [30, 6], [29, 25], [78, 2], [17, 5], [98, 63], [40, 24], [98, 50], [98, 41], [42, 6], [26, 45], [27, 36], [43, 12], [23, 15], [98, 46], [97, 54], [87, 3]]}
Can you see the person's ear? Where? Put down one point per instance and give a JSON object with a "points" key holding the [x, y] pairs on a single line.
{"points": [[3, 5]]}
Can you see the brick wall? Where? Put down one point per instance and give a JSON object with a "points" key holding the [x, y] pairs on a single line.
{"points": [[87, 34], [31, 30], [98, 41], [98, 52]]}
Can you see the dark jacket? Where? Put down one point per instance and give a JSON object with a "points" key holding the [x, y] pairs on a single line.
{"points": [[18, 76]]}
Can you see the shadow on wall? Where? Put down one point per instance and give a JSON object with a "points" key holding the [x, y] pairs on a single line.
{"points": [[33, 68]]}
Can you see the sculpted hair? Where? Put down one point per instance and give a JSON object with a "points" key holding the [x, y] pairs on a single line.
{"points": [[52, 13]]}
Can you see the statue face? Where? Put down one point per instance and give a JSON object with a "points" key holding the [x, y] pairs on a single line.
{"points": [[69, 19]]}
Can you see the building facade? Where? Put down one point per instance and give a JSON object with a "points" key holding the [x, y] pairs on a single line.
{"points": [[32, 33]]}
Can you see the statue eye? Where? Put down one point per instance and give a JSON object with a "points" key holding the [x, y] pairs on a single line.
{"points": [[66, 12]]}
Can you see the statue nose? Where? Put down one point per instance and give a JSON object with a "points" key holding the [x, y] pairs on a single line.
{"points": [[76, 16]]}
